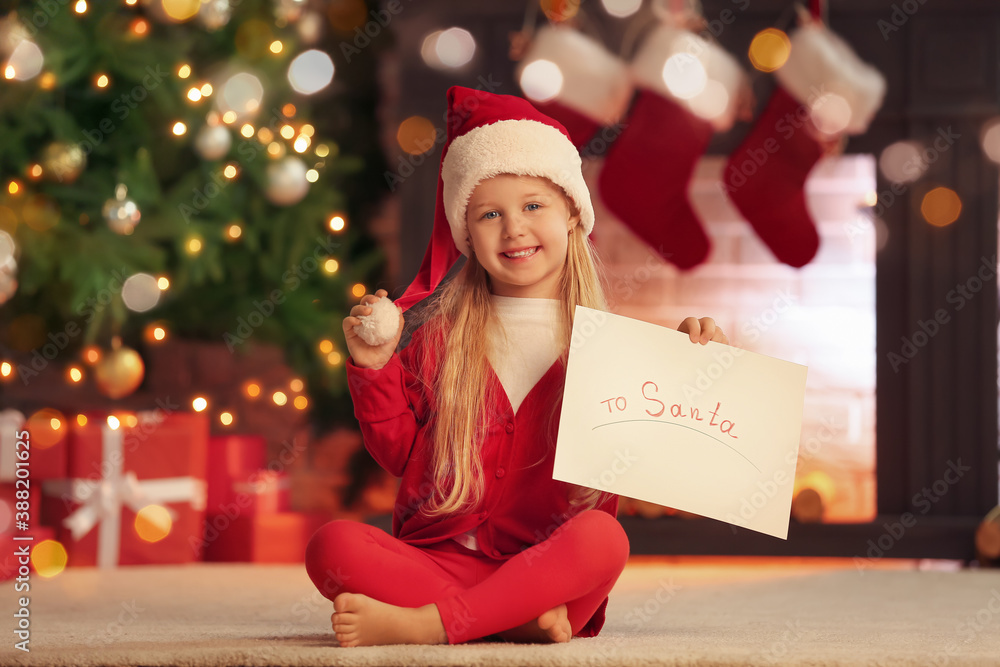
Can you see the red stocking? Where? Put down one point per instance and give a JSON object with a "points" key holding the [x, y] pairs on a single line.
{"points": [[765, 178], [645, 177]]}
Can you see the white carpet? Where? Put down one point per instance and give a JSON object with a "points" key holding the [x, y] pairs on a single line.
{"points": [[709, 612]]}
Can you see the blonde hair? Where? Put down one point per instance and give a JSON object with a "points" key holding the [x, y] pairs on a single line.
{"points": [[462, 317]]}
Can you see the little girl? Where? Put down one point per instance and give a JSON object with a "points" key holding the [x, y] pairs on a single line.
{"points": [[484, 542]]}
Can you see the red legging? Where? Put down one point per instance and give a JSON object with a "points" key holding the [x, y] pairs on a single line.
{"points": [[476, 595]]}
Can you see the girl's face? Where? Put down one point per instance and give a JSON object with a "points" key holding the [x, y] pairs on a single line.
{"points": [[518, 227]]}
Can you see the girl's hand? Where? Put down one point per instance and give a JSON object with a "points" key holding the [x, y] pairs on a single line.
{"points": [[365, 355], [703, 330]]}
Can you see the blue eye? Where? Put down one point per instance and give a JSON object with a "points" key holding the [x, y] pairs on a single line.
{"points": [[486, 216], [533, 204]]}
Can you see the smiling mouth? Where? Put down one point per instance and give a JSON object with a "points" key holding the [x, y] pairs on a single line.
{"points": [[527, 252]]}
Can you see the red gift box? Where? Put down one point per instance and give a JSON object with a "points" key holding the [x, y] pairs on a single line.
{"points": [[232, 457], [10, 559], [42, 462], [264, 538], [116, 472]]}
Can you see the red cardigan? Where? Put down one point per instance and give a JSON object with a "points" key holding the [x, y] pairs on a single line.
{"points": [[522, 503]]}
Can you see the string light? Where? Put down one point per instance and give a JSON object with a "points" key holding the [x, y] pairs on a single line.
{"points": [[206, 89], [276, 46], [322, 150], [288, 110], [279, 398], [234, 232], [199, 404], [35, 171], [113, 422], [226, 418], [326, 346], [194, 95], [296, 385], [287, 131], [230, 171], [6, 370], [179, 128], [301, 144], [301, 402], [74, 374], [131, 420], [48, 81], [102, 81], [81, 420], [312, 175], [140, 27], [193, 246], [337, 223], [80, 7], [331, 265], [163, 283], [252, 389], [229, 117], [91, 354], [9, 72], [358, 290], [14, 187], [184, 71], [333, 358]]}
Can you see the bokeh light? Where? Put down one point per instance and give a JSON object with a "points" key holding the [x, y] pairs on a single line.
{"points": [[153, 523], [49, 558], [47, 427], [140, 292], [941, 206], [684, 75], [455, 47], [241, 94], [902, 162], [541, 80], [621, 8], [990, 139], [25, 61], [310, 72], [416, 135], [770, 49]]}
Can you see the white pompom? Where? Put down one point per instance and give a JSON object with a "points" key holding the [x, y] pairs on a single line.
{"points": [[381, 326]]}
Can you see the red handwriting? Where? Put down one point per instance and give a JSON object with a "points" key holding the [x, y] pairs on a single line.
{"points": [[677, 410]]}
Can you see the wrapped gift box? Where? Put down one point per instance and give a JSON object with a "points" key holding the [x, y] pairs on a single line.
{"points": [[115, 472], [264, 538], [9, 560], [43, 462], [232, 459]]}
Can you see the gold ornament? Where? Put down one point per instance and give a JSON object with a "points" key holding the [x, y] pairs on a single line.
{"points": [[119, 372], [63, 161]]}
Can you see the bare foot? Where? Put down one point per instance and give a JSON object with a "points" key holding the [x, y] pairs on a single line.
{"points": [[359, 620], [551, 626]]}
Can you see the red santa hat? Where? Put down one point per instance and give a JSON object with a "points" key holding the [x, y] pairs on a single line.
{"points": [[488, 135]]}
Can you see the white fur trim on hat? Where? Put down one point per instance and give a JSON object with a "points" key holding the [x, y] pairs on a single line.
{"points": [[522, 147], [718, 102], [822, 63], [595, 82]]}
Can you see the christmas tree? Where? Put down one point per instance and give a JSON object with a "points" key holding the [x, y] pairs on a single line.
{"points": [[162, 176]]}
